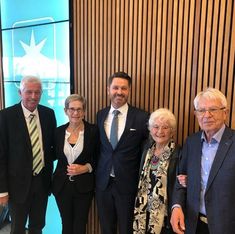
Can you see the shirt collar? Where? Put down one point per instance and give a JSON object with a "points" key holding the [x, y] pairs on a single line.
{"points": [[217, 136], [27, 113], [123, 109]]}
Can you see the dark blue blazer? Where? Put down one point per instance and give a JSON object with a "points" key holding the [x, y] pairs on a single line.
{"points": [[84, 182], [16, 151], [126, 157], [220, 191]]}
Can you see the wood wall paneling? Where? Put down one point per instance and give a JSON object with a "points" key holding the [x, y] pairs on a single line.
{"points": [[171, 48]]}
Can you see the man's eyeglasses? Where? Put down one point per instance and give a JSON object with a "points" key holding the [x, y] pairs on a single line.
{"points": [[73, 110], [212, 111]]}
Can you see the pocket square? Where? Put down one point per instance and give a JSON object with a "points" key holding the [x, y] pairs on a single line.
{"points": [[132, 129]]}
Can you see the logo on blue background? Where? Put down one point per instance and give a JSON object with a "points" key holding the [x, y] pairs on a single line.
{"points": [[34, 51]]}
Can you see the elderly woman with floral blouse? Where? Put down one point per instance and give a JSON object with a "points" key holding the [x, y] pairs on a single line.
{"points": [[157, 176]]}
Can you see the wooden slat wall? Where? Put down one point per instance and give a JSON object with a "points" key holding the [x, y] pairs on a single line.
{"points": [[171, 48]]}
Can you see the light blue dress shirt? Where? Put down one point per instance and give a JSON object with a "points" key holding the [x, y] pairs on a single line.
{"points": [[209, 150]]}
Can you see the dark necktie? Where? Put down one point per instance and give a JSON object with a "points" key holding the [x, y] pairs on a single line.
{"points": [[114, 129], [36, 147]]}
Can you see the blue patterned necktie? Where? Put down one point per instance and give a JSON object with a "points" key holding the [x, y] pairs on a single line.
{"points": [[114, 129]]}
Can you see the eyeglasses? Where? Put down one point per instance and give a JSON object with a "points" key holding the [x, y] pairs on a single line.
{"points": [[212, 111], [73, 110], [164, 127]]}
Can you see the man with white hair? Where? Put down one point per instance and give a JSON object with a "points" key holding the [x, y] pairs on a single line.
{"points": [[206, 205], [26, 158]]}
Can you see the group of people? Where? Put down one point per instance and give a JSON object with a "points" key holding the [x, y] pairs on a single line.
{"points": [[142, 180]]}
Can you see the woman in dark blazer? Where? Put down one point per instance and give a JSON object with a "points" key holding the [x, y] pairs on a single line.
{"points": [[73, 180], [157, 176]]}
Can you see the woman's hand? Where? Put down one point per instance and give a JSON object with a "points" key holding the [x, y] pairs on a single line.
{"points": [[76, 169], [182, 180]]}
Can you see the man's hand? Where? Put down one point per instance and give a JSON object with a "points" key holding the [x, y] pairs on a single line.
{"points": [[182, 180], [177, 220], [4, 200]]}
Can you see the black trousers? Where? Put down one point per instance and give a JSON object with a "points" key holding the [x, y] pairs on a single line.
{"points": [[33, 209], [202, 228], [74, 208], [115, 210]]}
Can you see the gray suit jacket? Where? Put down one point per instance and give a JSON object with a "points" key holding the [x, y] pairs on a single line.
{"points": [[220, 191]]}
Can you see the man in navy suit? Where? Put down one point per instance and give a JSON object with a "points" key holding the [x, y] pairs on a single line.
{"points": [[118, 166], [206, 205], [24, 182]]}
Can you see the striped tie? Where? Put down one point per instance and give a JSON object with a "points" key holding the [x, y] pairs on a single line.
{"points": [[36, 148]]}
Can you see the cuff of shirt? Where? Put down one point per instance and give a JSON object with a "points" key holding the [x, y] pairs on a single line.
{"points": [[3, 194], [176, 206], [89, 167]]}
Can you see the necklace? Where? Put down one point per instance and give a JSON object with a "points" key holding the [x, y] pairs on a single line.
{"points": [[154, 162]]}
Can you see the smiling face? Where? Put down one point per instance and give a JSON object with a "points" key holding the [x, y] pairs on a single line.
{"points": [[31, 95], [75, 112], [118, 92], [161, 131], [210, 122]]}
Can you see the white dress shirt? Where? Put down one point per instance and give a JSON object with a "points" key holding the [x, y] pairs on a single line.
{"points": [[73, 152], [121, 120]]}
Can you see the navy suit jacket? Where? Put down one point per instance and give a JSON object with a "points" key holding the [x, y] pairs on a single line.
{"points": [[220, 191], [16, 151], [126, 157], [84, 182]]}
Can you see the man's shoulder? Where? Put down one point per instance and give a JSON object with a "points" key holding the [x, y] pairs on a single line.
{"points": [[228, 133], [194, 135], [104, 110], [137, 112], [10, 109], [44, 108]]}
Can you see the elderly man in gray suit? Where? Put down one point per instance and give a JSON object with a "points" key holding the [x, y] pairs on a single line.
{"points": [[206, 205]]}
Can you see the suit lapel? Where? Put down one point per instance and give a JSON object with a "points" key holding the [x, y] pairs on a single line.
{"points": [[101, 129], [129, 120], [22, 122], [61, 142], [221, 153], [197, 156], [42, 120]]}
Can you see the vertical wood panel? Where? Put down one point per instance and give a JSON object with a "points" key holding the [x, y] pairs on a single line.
{"points": [[214, 42], [171, 48]]}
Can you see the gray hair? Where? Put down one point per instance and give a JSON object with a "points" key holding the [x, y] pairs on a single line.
{"points": [[29, 79], [75, 97], [163, 114], [211, 94]]}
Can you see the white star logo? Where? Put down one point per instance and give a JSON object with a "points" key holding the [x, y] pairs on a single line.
{"points": [[33, 50]]}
